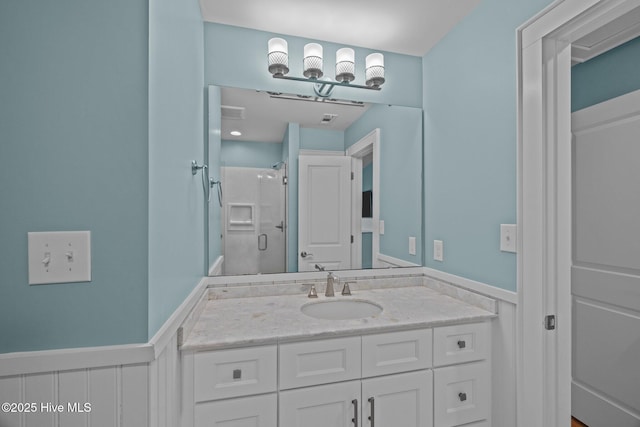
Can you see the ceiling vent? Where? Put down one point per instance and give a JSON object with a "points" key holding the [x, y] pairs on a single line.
{"points": [[232, 113], [328, 118]]}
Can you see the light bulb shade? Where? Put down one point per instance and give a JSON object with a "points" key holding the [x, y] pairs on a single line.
{"points": [[345, 65], [312, 63], [278, 56], [374, 69]]}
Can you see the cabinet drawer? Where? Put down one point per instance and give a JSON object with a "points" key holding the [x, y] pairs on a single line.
{"points": [[461, 394], [230, 373], [256, 411], [461, 343], [395, 352], [319, 362]]}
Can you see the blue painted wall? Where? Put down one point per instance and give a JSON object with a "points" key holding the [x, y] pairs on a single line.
{"points": [[321, 139], [177, 238], [400, 174], [250, 154], [74, 156], [102, 114], [237, 57], [469, 88], [607, 76]]}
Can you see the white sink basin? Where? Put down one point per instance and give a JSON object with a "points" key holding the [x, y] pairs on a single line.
{"points": [[341, 309]]}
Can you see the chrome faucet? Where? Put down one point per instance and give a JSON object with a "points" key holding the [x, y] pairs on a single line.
{"points": [[331, 280]]}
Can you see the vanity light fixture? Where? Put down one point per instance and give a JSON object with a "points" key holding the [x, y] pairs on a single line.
{"points": [[312, 66], [236, 133]]}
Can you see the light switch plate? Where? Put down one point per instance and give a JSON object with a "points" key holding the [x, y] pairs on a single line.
{"points": [[59, 257], [412, 245], [508, 237], [381, 227]]}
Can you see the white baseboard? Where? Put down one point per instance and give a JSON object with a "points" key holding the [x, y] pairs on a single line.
{"points": [[472, 285], [395, 262]]}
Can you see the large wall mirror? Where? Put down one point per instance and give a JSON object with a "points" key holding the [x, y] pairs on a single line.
{"points": [[302, 183]]}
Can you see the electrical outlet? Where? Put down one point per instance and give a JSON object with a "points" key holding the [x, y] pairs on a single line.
{"points": [[59, 257], [508, 237], [381, 227], [438, 250], [412, 245]]}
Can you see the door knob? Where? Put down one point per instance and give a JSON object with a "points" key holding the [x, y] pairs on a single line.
{"points": [[304, 254]]}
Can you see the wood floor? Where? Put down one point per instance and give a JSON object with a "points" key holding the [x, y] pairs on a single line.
{"points": [[576, 423]]}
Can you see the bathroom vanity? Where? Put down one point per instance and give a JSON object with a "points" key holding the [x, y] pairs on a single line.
{"points": [[406, 356]]}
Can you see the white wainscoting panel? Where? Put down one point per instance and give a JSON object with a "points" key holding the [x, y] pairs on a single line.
{"points": [[118, 397], [164, 385]]}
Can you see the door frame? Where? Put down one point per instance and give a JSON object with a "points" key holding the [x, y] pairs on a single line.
{"points": [[545, 203], [368, 144]]}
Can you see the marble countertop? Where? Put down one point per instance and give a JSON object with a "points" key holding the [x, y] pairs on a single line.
{"points": [[236, 322]]}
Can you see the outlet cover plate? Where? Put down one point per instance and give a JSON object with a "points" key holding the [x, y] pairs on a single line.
{"points": [[438, 250]]}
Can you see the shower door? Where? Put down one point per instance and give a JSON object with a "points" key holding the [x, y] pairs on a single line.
{"points": [[253, 220], [272, 228]]}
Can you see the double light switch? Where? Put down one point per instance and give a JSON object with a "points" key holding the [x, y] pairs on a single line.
{"points": [[59, 257]]}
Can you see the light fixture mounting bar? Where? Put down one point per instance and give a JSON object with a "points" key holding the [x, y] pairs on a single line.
{"points": [[326, 82]]}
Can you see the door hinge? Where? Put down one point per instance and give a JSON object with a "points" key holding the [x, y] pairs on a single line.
{"points": [[550, 322], [285, 180], [352, 238], [352, 176]]}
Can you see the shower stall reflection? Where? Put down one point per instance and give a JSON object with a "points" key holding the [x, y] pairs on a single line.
{"points": [[253, 219]]}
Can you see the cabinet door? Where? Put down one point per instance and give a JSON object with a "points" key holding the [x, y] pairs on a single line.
{"points": [[462, 394], [257, 411], [333, 405], [403, 400]]}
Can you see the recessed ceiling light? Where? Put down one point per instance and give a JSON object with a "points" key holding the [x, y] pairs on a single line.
{"points": [[235, 133]]}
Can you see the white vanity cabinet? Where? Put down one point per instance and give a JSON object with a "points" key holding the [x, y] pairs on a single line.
{"points": [[400, 400], [436, 377], [231, 388], [462, 375]]}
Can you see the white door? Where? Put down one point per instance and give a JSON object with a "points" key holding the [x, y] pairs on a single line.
{"points": [[324, 213], [605, 276], [333, 405], [404, 400]]}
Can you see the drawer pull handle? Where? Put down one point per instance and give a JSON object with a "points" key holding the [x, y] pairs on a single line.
{"points": [[237, 374], [462, 396], [371, 417], [462, 344], [354, 420]]}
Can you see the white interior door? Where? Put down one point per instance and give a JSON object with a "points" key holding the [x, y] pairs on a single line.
{"points": [[324, 212], [605, 283]]}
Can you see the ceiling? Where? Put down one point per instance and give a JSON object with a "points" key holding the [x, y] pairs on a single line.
{"points": [[265, 116], [410, 27]]}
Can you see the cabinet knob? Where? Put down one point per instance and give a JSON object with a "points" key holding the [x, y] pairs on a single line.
{"points": [[237, 374], [462, 344], [462, 396]]}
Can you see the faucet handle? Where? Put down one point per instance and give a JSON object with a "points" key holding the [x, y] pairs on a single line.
{"points": [[345, 289], [312, 292]]}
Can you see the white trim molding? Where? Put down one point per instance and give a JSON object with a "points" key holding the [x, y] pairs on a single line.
{"points": [[544, 202], [389, 261], [472, 285]]}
